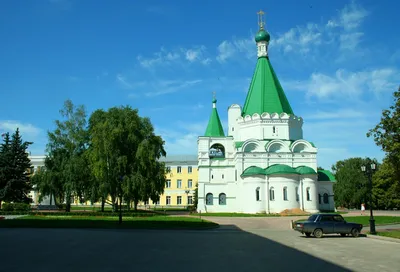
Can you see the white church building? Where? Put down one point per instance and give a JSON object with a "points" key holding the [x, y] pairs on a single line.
{"points": [[263, 164]]}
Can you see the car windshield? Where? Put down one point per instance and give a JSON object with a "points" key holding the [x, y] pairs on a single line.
{"points": [[312, 217]]}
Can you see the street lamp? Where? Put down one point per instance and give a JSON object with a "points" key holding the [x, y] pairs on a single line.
{"points": [[371, 218]]}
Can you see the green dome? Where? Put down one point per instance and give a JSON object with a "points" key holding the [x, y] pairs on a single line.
{"points": [[305, 170], [262, 35], [326, 175], [253, 170], [280, 169]]}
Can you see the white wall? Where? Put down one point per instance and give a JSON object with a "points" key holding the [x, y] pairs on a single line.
{"points": [[326, 187]]}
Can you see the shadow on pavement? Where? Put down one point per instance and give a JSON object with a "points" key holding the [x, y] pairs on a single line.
{"points": [[334, 236], [150, 250]]}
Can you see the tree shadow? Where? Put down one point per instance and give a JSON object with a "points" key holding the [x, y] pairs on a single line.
{"points": [[225, 249]]}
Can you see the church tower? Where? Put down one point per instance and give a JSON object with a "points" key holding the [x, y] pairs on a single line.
{"points": [[263, 164]]}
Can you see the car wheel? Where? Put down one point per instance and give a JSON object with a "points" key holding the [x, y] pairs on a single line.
{"points": [[308, 234], [343, 234], [318, 233], [355, 232]]}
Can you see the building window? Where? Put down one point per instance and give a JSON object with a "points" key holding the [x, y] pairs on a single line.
{"points": [[222, 199], [326, 198], [235, 175], [179, 183], [222, 175], [146, 202], [285, 193], [233, 129], [258, 194], [190, 169], [190, 183], [273, 129], [168, 200], [308, 194], [156, 202], [190, 200], [271, 194], [297, 194], [212, 176], [168, 184], [168, 169], [319, 198], [179, 200], [209, 199], [179, 169]]}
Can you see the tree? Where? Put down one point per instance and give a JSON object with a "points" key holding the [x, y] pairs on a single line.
{"points": [[66, 158], [386, 192], [14, 165], [351, 187], [386, 134], [196, 197]]}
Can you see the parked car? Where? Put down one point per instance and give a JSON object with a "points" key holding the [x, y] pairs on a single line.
{"points": [[325, 223]]}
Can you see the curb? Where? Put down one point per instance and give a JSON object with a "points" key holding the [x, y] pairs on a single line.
{"points": [[383, 238]]}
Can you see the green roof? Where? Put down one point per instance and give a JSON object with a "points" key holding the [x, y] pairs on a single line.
{"points": [[262, 35], [214, 127], [326, 175], [305, 170], [265, 93], [253, 170], [280, 169]]}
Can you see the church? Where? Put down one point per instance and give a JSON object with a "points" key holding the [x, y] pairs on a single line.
{"points": [[263, 164]]}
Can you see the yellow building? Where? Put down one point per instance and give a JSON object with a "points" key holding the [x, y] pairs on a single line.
{"points": [[181, 181]]}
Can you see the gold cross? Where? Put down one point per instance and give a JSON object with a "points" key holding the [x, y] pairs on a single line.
{"points": [[214, 94], [261, 21]]}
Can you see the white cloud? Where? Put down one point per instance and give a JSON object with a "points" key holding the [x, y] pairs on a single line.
{"points": [[123, 81], [165, 57], [345, 84], [170, 86], [28, 131], [228, 49]]}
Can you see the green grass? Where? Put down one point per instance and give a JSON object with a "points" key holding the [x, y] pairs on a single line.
{"points": [[235, 214], [108, 222], [364, 220], [391, 234]]}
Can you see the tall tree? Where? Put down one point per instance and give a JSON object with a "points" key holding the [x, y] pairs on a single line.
{"points": [[386, 134], [351, 187], [386, 192], [66, 153], [15, 163]]}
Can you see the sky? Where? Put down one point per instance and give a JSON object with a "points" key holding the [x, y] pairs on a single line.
{"points": [[336, 60]]}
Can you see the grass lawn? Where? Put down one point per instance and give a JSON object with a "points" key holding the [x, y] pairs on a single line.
{"points": [[364, 220], [107, 222], [391, 234], [235, 214]]}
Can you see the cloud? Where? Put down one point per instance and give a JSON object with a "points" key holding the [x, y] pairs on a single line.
{"points": [[196, 54], [196, 107], [345, 84], [169, 86], [228, 49], [27, 130]]}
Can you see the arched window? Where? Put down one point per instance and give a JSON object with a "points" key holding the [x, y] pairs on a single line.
{"points": [[319, 198], [222, 199], [209, 199], [273, 129], [285, 193], [217, 151], [326, 198], [297, 194], [271, 194], [258, 194], [308, 194]]}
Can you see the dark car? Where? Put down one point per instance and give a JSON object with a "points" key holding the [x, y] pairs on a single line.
{"points": [[320, 224]]}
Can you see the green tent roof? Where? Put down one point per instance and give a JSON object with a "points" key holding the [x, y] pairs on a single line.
{"points": [[253, 170], [265, 93], [279, 169], [214, 127], [326, 175]]}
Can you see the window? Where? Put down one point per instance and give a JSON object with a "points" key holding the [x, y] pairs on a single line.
{"points": [[209, 199], [326, 198], [271, 194], [258, 194], [168, 200], [222, 175], [179, 183], [190, 200], [233, 129], [308, 194], [338, 218], [327, 218], [212, 176], [168, 185], [285, 193], [297, 194], [179, 200], [156, 202], [179, 169], [222, 199], [146, 202], [319, 198], [190, 183], [190, 169], [168, 168], [273, 129]]}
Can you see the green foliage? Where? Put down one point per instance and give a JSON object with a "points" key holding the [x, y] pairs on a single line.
{"points": [[196, 197], [386, 134], [15, 182], [351, 188], [19, 207], [7, 207], [386, 192]]}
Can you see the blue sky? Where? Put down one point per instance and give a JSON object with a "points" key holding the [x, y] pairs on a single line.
{"points": [[337, 62]]}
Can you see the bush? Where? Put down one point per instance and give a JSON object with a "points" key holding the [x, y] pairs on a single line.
{"points": [[9, 207]]}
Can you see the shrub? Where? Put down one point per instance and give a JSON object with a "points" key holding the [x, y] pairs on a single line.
{"points": [[7, 207], [22, 207]]}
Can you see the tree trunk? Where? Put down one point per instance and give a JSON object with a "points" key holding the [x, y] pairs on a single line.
{"points": [[102, 204], [135, 205], [0, 203], [68, 203], [120, 210]]}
